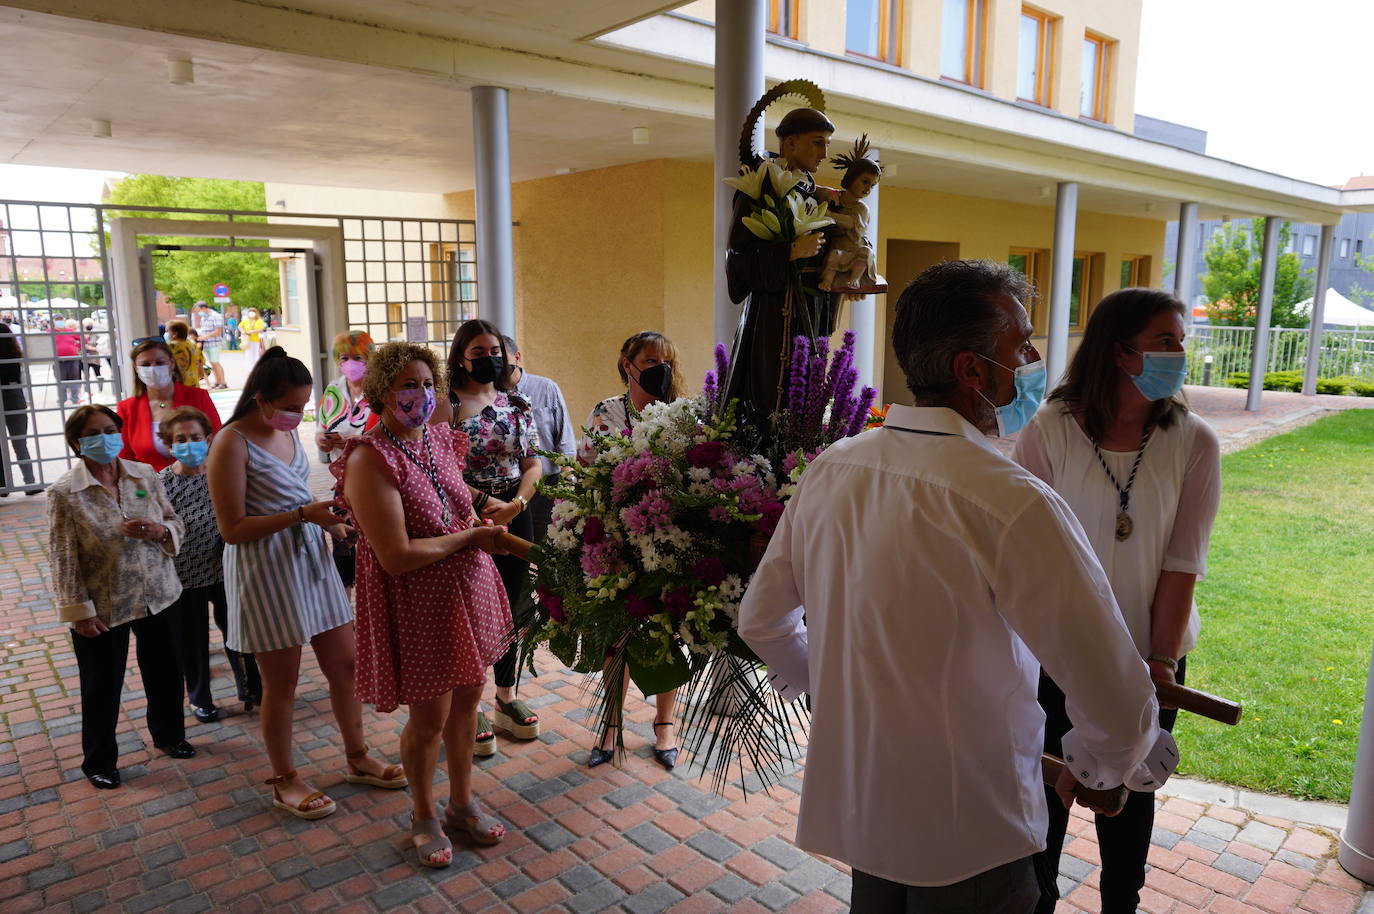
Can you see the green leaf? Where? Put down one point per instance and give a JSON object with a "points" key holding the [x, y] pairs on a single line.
{"points": [[654, 672]]}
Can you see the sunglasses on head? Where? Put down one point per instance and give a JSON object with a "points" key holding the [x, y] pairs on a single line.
{"points": [[147, 339]]}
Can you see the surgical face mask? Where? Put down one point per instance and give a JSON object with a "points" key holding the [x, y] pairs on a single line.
{"points": [[1030, 390], [656, 380], [1161, 374], [353, 369], [487, 369], [191, 453], [155, 376], [281, 420], [414, 406], [101, 448]]}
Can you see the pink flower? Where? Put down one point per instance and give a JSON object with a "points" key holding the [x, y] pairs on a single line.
{"points": [[789, 463], [719, 514], [652, 513], [772, 513], [679, 603], [705, 455], [638, 607], [601, 558], [553, 603], [710, 571], [593, 532]]}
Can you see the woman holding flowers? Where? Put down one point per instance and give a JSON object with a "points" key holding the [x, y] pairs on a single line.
{"points": [[432, 610], [1143, 476], [648, 369]]}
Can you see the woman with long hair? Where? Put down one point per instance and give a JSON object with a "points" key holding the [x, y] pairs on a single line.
{"points": [[283, 589], [648, 369], [15, 409], [1143, 476], [502, 470], [432, 611], [157, 394]]}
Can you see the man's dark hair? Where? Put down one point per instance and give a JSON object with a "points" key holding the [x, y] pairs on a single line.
{"points": [[951, 308]]}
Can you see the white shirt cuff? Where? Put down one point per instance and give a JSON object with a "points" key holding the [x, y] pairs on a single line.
{"points": [[1148, 776], [784, 688], [75, 612]]}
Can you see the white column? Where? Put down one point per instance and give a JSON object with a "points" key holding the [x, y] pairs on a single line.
{"points": [[740, 28], [491, 171], [1314, 329], [1186, 255], [1259, 357], [1061, 281], [863, 314], [1356, 850]]}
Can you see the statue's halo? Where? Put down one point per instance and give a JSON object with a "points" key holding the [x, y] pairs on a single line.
{"points": [[751, 156]]}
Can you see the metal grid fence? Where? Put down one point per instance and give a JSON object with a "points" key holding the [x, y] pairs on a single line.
{"points": [[1216, 353]]}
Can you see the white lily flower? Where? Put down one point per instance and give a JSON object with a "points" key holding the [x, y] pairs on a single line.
{"points": [[759, 229], [750, 181], [782, 180], [808, 216]]}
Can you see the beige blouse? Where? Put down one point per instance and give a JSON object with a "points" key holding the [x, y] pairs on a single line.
{"points": [[96, 571]]}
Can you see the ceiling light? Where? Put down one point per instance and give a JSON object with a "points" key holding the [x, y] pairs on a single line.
{"points": [[1045, 191], [1151, 207], [563, 171], [639, 136], [180, 72], [101, 128]]}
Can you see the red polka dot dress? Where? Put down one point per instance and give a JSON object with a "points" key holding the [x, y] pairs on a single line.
{"points": [[426, 632]]}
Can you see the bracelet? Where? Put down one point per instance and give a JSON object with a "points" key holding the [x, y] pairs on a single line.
{"points": [[1170, 662], [524, 503]]}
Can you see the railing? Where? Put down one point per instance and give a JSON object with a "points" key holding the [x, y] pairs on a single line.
{"points": [[1214, 353]]}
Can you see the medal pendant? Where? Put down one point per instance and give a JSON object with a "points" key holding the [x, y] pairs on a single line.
{"points": [[1123, 525], [447, 518]]}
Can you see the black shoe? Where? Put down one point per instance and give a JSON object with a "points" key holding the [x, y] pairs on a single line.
{"points": [[599, 757], [107, 781], [182, 749], [206, 715], [666, 757]]}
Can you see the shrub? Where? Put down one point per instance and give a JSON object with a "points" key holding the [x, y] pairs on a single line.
{"points": [[1292, 380]]}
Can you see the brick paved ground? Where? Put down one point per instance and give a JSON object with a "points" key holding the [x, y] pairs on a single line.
{"points": [[200, 835]]}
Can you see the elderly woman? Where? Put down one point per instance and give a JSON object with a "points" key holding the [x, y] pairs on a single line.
{"points": [[282, 587], [648, 369], [112, 534], [157, 394], [344, 414], [432, 612], [1143, 476], [200, 566]]}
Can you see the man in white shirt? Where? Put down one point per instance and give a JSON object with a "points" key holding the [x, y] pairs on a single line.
{"points": [[916, 582]]}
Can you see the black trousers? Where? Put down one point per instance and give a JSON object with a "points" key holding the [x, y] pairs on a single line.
{"points": [[514, 573], [17, 431], [541, 515], [1007, 889], [188, 620], [1123, 839], [101, 661]]}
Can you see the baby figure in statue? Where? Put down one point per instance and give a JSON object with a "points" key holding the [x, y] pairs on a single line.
{"points": [[851, 265]]}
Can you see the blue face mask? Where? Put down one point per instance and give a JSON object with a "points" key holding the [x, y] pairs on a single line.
{"points": [[101, 448], [1161, 375], [1030, 390], [191, 453]]}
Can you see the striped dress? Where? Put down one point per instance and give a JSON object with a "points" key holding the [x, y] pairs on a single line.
{"points": [[282, 589]]}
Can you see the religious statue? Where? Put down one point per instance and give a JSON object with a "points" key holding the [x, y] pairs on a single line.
{"points": [[775, 258], [851, 264]]}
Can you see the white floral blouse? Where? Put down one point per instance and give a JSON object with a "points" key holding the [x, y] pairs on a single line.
{"points": [[95, 570], [502, 435]]}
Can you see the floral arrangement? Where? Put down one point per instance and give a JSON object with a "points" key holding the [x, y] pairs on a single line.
{"points": [[778, 214], [654, 538]]}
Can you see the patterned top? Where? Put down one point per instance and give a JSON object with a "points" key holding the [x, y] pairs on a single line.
{"points": [[209, 326], [190, 362], [339, 413], [502, 435], [607, 417], [95, 570], [199, 562]]}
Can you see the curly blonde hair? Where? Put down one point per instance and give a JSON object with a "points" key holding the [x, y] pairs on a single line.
{"points": [[386, 362]]}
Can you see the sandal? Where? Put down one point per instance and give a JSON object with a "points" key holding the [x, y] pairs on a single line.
{"points": [[393, 777], [461, 819], [486, 739], [516, 718], [301, 810], [436, 842], [599, 756], [666, 757]]}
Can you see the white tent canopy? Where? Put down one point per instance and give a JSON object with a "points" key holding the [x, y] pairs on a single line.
{"points": [[1340, 311]]}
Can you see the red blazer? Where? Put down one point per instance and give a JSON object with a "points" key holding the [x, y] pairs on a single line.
{"points": [[138, 423]]}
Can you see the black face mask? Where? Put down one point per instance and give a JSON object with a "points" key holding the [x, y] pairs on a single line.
{"points": [[657, 380], [486, 369]]}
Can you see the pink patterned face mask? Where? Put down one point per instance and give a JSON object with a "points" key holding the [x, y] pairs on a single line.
{"points": [[414, 406], [353, 369]]}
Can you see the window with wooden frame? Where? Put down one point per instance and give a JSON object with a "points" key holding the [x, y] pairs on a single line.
{"points": [[963, 35], [1095, 89], [1035, 57], [782, 18], [873, 28], [1032, 263], [1135, 272], [1085, 287]]}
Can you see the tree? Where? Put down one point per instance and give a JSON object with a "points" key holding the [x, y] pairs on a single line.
{"points": [[1359, 293], [1232, 281], [186, 277]]}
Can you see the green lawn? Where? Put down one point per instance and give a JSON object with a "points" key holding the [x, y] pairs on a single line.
{"points": [[1288, 612]]}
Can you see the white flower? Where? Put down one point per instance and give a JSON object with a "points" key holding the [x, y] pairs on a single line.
{"points": [[782, 180], [807, 215], [750, 180], [699, 474]]}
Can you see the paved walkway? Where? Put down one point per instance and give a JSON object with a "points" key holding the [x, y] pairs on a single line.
{"points": [[200, 835]]}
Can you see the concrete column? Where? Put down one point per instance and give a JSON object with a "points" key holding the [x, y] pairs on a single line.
{"points": [[1185, 256], [1356, 850], [740, 29], [1259, 357], [1061, 281], [495, 260], [1314, 329], [863, 314]]}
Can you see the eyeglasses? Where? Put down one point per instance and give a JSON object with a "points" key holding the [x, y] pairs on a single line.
{"points": [[147, 339]]}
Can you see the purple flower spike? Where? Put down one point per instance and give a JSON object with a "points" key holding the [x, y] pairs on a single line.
{"points": [[708, 389], [815, 393], [722, 361], [796, 392], [866, 398]]}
